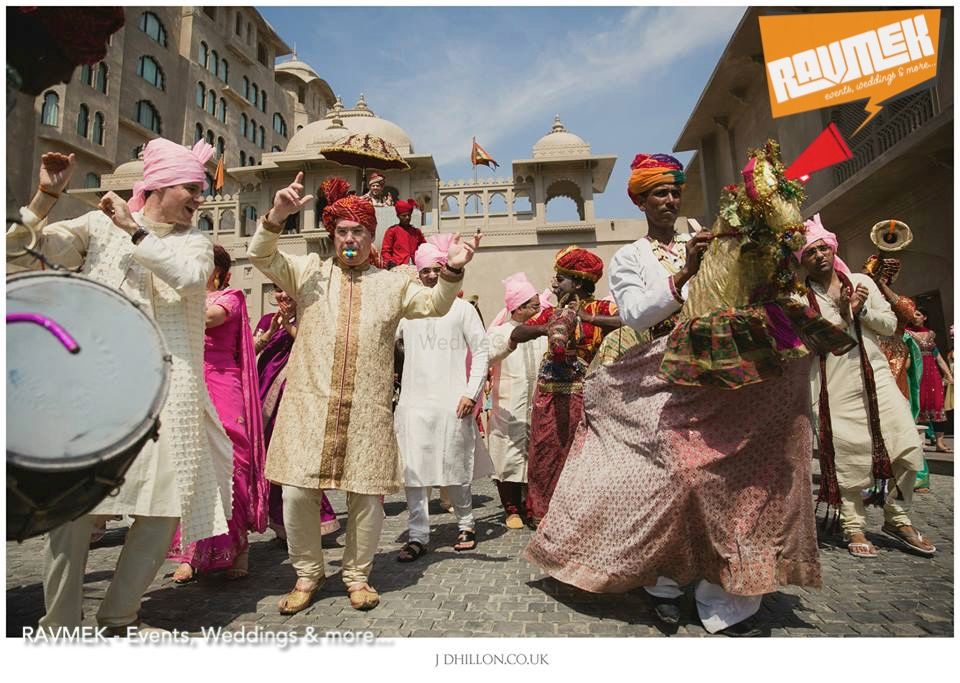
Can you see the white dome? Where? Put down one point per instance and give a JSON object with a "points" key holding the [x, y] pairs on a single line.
{"points": [[559, 142], [300, 69], [357, 120]]}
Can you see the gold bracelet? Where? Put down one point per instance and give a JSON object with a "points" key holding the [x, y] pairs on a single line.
{"points": [[49, 193]]}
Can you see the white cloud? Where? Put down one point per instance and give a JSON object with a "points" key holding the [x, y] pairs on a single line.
{"points": [[464, 95]]}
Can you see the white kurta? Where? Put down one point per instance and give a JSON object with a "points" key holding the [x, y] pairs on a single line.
{"points": [[436, 447], [188, 471], [640, 287], [514, 380], [848, 398]]}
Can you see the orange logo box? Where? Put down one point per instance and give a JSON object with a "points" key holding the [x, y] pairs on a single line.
{"points": [[822, 60]]}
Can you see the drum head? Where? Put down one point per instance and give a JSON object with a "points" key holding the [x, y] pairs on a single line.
{"points": [[68, 410]]}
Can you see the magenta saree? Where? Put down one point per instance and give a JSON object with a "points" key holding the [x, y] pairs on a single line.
{"points": [[230, 373]]}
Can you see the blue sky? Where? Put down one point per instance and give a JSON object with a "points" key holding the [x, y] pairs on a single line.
{"points": [[625, 79]]}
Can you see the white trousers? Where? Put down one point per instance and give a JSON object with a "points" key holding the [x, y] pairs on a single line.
{"points": [[418, 500], [301, 517], [717, 608], [65, 562]]}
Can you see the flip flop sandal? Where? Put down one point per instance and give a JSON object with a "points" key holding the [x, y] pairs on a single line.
{"points": [[864, 550], [909, 540], [411, 551], [466, 536], [298, 599]]}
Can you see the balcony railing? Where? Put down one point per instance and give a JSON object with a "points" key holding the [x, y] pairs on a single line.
{"points": [[896, 121]]}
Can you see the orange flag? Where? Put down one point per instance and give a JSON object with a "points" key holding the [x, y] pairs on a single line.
{"points": [[218, 176], [478, 155]]}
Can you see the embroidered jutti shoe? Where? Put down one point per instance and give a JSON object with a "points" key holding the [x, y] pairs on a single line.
{"points": [[363, 597], [298, 599]]}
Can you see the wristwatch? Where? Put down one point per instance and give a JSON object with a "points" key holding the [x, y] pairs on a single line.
{"points": [[138, 235]]}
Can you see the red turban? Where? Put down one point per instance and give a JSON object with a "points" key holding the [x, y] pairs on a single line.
{"points": [[579, 263], [405, 206], [351, 208], [334, 188]]}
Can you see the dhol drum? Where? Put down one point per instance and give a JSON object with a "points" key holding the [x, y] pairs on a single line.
{"points": [[76, 417]]}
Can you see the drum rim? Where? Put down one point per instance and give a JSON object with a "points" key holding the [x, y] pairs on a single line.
{"points": [[143, 428]]}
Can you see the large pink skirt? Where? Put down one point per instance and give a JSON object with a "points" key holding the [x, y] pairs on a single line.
{"points": [[684, 482]]}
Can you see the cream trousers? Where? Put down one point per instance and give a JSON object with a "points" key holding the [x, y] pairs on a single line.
{"points": [[301, 517], [418, 501], [853, 512], [65, 561]]}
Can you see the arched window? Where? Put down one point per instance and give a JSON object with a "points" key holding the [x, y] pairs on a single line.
{"points": [[238, 23], [243, 158], [98, 128], [221, 147], [222, 111], [252, 131], [276, 148], [210, 138], [86, 74], [263, 101], [201, 94], [224, 70], [211, 102], [150, 24], [246, 88], [203, 54], [50, 112], [253, 162], [148, 116], [149, 70], [83, 121], [255, 94], [214, 62], [243, 125], [100, 81], [279, 125], [198, 133], [91, 180], [261, 137], [204, 223]]}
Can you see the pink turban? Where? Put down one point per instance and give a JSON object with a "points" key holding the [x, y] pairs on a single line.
{"points": [[433, 251], [816, 232], [166, 163], [518, 290]]}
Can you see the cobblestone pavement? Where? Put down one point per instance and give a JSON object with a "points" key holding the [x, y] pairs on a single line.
{"points": [[493, 592]]}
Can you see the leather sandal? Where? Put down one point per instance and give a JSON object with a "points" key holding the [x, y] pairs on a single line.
{"points": [[912, 539], [464, 537], [362, 596], [411, 551], [298, 599]]}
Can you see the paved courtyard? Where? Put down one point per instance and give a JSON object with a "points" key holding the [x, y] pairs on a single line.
{"points": [[493, 592]]}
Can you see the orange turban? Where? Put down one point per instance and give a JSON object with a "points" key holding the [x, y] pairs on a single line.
{"points": [[650, 170], [579, 263], [350, 208]]}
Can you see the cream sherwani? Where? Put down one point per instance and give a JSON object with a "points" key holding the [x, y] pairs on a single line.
{"points": [[334, 427], [187, 473], [848, 409], [514, 379]]}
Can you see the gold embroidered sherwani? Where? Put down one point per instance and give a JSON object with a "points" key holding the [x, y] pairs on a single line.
{"points": [[334, 427]]}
